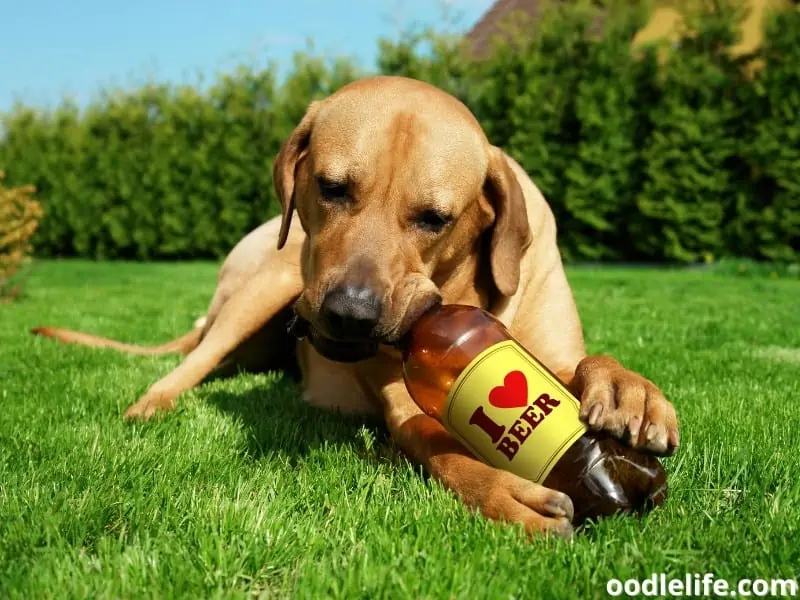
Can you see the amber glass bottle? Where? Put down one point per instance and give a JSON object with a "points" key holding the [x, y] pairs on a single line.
{"points": [[463, 368]]}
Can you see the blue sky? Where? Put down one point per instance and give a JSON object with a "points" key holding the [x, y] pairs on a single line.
{"points": [[49, 48]]}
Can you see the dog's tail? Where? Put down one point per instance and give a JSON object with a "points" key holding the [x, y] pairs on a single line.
{"points": [[181, 345]]}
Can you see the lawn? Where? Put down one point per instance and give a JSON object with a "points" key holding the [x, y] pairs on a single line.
{"points": [[245, 491]]}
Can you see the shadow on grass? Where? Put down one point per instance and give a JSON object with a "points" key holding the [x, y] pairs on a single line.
{"points": [[277, 420]]}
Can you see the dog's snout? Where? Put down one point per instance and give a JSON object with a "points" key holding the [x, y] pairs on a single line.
{"points": [[351, 312]]}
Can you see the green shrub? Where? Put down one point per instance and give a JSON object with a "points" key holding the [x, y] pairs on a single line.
{"points": [[693, 155], [683, 160], [20, 214], [580, 96], [766, 223], [163, 171]]}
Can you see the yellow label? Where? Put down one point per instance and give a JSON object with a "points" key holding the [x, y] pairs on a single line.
{"points": [[512, 413]]}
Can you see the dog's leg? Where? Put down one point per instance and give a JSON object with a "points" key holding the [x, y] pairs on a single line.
{"points": [[625, 404], [613, 398], [498, 494], [244, 314]]}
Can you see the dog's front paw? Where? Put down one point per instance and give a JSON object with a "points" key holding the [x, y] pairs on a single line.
{"points": [[538, 509], [150, 404], [502, 496], [625, 404]]}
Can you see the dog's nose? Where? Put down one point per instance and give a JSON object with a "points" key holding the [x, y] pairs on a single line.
{"points": [[351, 312]]}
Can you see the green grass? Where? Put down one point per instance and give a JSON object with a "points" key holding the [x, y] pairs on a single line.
{"points": [[246, 491]]}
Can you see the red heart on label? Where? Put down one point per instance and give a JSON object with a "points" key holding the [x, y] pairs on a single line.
{"points": [[513, 393]]}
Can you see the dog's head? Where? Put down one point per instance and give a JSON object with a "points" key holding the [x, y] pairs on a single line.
{"points": [[399, 194]]}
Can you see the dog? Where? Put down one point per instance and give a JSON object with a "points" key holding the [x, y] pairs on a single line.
{"points": [[393, 199]]}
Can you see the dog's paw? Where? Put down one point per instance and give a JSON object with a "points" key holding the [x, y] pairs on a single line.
{"points": [[625, 404], [150, 404], [538, 509]]}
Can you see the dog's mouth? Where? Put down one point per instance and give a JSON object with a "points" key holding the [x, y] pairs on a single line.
{"points": [[336, 350], [357, 349]]}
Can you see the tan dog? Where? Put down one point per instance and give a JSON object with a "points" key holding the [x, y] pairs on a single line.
{"points": [[400, 201]]}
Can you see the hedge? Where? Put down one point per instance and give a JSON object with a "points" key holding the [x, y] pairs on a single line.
{"points": [[162, 172], [677, 157]]}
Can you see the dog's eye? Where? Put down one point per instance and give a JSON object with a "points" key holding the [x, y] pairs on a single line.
{"points": [[333, 191], [433, 221]]}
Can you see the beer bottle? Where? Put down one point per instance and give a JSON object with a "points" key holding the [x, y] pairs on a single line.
{"points": [[463, 368]]}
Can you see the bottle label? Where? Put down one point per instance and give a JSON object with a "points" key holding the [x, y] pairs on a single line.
{"points": [[512, 413]]}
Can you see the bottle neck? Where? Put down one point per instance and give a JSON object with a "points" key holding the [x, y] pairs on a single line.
{"points": [[404, 343]]}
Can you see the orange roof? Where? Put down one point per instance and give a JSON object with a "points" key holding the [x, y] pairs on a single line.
{"points": [[480, 36]]}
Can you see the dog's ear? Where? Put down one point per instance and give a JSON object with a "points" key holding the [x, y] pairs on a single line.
{"points": [[511, 233], [284, 168]]}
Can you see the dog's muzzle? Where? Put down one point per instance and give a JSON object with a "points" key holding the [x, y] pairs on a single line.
{"points": [[350, 313], [339, 351]]}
